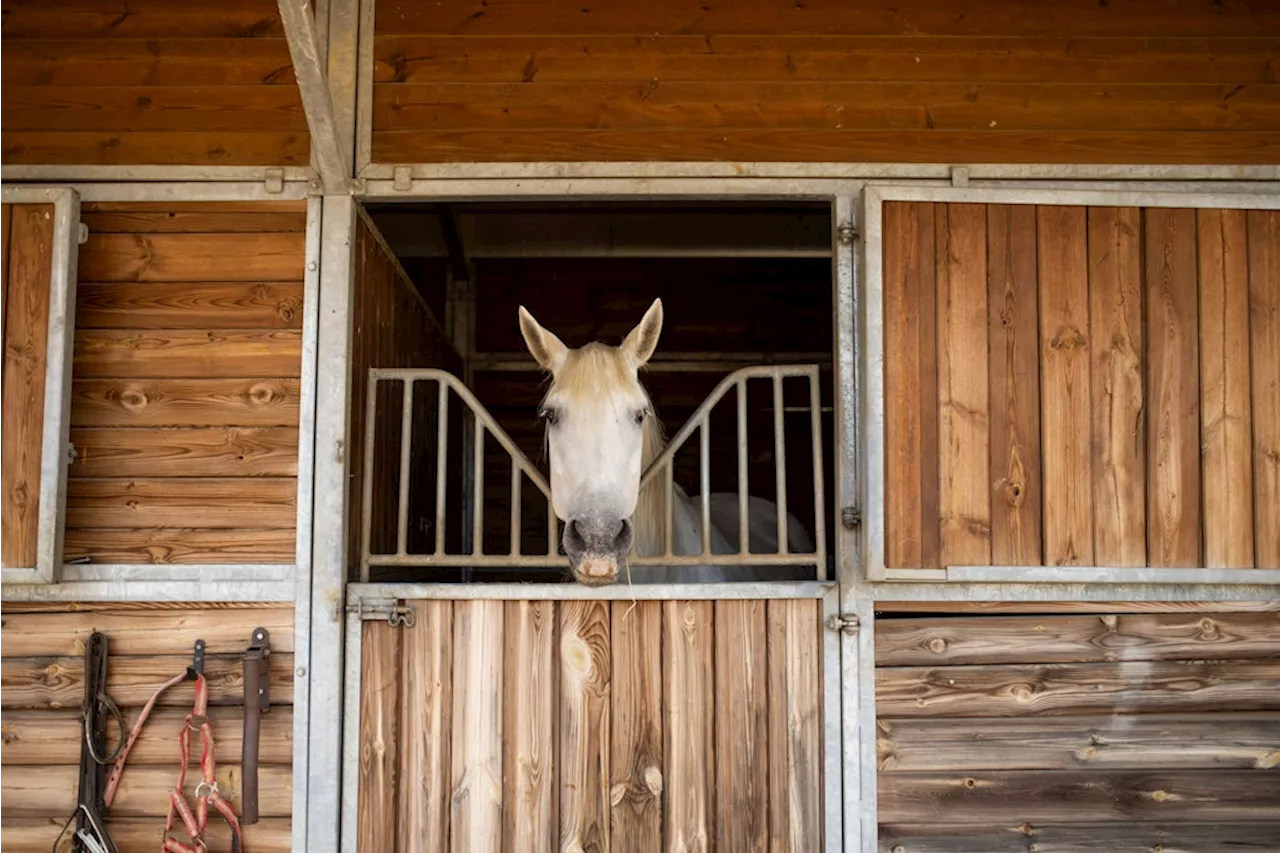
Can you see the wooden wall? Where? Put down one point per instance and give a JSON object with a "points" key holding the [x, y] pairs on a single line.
{"points": [[1133, 732], [162, 82], [1072, 386], [185, 389], [594, 726], [26, 240], [43, 687], [1149, 81]]}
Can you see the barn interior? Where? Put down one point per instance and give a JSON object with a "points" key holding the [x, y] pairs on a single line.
{"points": [[742, 283]]}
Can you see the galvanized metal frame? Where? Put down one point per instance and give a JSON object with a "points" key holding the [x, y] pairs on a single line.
{"points": [[59, 342], [317, 105], [171, 174], [872, 449]]}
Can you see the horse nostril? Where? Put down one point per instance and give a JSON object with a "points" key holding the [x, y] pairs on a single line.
{"points": [[622, 542], [574, 543]]}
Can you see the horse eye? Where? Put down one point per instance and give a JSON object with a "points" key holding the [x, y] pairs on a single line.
{"points": [[639, 416], [551, 416]]}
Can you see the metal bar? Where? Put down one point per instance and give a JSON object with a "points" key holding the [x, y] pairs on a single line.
{"points": [[969, 592], [744, 534], [364, 79], [819, 476], [406, 432], [832, 725], [578, 592], [72, 174], [477, 500], [348, 772], [1110, 575], [669, 523], [213, 572], [59, 346], [366, 492], [704, 480], [152, 590], [1083, 197], [870, 423], [521, 561], [515, 508], [671, 362], [780, 464], [553, 530], [442, 469], [309, 70], [868, 766]]}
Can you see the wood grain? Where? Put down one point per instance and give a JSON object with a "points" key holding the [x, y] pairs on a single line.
{"points": [[688, 725], [1144, 742], [1032, 796], [63, 61], [190, 305], [475, 819], [742, 755], [58, 682], [29, 835], [1092, 607], [795, 725], [142, 632], [185, 403], [1065, 388], [971, 640], [127, 354], [212, 502], [142, 19], [183, 545], [380, 724], [585, 700], [635, 744], [1264, 331], [169, 148], [1119, 837], [192, 257], [1118, 405], [144, 792], [1014, 372], [197, 452], [44, 738], [209, 109], [6, 219], [194, 217], [28, 263], [424, 751], [1226, 421], [963, 397], [530, 696], [1145, 687], [1173, 424]]}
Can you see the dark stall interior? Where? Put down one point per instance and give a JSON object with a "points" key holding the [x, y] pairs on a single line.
{"points": [[743, 283]]}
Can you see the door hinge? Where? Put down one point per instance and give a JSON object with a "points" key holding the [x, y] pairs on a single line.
{"points": [[846, 234], [850, 517], [845, 624], [274, 179], [384, 608]]}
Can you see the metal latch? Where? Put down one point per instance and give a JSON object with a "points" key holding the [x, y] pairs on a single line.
{"points": [[845, 624], [274, 178], [850, 517], [846, 234], [401, 179], [384, 608]]}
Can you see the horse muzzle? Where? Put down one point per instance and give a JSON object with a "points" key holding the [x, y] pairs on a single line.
{"points": [[597, 547]]}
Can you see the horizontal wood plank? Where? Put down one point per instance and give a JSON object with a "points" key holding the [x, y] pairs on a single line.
{"points": [[184, 305], [191, 546], [1141, 687], [192, 257], [1094, 607], [239, 219], [147, 354], [44, 738], [59, 62], [235, 109], [211, 452], [1084, 146], [141, 19], [1076, 639], [184, 402], [1120, 837], [143, 632], [144, 792], [183, 502], [58, 682], [1032, 796], [172, 148], [36, 835], [1142, 742]]}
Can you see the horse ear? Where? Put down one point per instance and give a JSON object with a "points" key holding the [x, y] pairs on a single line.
{"points": [[546, 348], [643, 339]]}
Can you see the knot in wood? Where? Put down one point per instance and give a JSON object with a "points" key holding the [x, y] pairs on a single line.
{"points": [[937, 645], [133, 397], [576, 654], [653, 780], [1209, 630], [264, 393]]}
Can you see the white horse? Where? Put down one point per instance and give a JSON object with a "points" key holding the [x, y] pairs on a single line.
{"points": [[602, 434]]}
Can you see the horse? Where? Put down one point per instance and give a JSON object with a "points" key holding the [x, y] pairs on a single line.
{"points": [[602, 434]]}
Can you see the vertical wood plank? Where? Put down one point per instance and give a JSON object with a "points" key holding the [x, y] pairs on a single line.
{"points": [[902, 288], [30, 262], [380, 678], [1226, 429], [476, 799], [930, 493], [1119, 437], [795, 726], [425, 705], [1015, 385], [6, 211], [529, 820], [584, 726], [635, 746], [1264, 333], [689, 717], [1062, 261], [1173, 389], [741, 731], [963, 438]]}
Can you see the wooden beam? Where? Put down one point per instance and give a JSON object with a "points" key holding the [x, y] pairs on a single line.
{"points": [[308, 66]]}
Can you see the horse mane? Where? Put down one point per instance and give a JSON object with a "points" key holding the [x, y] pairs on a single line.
{"points": [[650, 519]]}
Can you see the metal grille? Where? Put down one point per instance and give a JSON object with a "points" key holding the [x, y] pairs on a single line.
{"points": [[478, 424]]}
